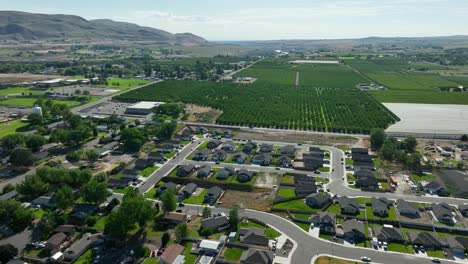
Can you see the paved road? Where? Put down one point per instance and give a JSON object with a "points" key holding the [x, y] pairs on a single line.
{"points": [[297, 78]]}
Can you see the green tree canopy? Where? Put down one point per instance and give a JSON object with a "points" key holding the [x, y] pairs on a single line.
{"points": [[32, 186], [169, 200], [63, 197], [95, 192], [377, 138]]}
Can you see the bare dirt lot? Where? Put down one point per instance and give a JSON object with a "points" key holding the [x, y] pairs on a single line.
{"points": [[260, 199], [267, 180], [15, 78], [202, 114]]}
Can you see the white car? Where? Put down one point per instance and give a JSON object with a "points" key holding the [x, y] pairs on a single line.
{"points": [[366, 259]]}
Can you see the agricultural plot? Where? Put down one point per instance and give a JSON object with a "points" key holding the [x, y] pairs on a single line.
{"points": [[420, 97], [333, 76], [275, 106], [272, 72]]}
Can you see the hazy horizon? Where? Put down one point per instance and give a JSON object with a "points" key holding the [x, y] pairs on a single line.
{"points": [[273, 20]]}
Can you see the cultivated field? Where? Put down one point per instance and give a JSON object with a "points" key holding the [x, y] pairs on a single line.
{"points": [[275, 106]]}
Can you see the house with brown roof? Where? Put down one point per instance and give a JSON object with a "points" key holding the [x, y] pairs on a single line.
{"points": [[175, 217], [55, 241], [173, 255], [253, 236]]}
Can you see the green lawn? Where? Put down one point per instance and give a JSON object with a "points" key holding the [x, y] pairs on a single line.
{"points": [[148, 171], [18, 90], [391, 214], [29, 102], [189, 258], [400, 248], [303, 226], [288, 179], [287, 192], [196, 199], [123, 191], [324, 169], [334, 209], [151, 261], [349, 161], [295, 205], [11, 127], [251, 182], [151, 194], [203, 145], [170, 154], [435, 254], [423, 177], [233, 254], [125, 84], [39, 213]]}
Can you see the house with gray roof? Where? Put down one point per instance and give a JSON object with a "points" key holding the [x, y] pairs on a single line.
{"points": [[212, 144], [284, 161], [288, 150], [253, 236], [212, 195], [388, 234], [80, 246], [353, 230], [185, 170], [204, 171], [455, 246], [318, 200], [425, 239], [325, 220], [201, 155], [187, 191], [229, 146], [348, 205], [224, 173], [367, 182], [257, 256], [380, 206], [244, 175], [131, 174], [43, 201], [216, 222], [219, 155], [8, 195], [443, 212], [434, 187], [463, 208], [166, 186], [263, 159], [265, 148], [364, 174], [240, 157], [408, 209], [249, 147]]}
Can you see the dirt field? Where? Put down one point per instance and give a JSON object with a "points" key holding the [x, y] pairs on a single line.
{"points": [[425, 218], [337, 141], [267, 180], [201, 114], [15, 78], [260, 200]]}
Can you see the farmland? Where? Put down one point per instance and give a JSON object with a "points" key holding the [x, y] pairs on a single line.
{"points": [[420, 97], [275, 106]]}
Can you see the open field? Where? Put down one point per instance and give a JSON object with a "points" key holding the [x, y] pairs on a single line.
{"points": [[29, 102], [15, 78], [420, 97], [273, 71], [11, 127], [18, 90], [262, 105], [124, 84]]}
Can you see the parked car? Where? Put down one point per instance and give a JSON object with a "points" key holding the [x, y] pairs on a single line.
{"points": [[366, 259]]}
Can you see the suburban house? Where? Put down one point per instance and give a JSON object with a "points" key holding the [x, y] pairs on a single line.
{"points": [[216, 222], [213, 195], [312, 161], [425, 239], [348, 205], [362, 151], [210, 247], [304, 185], [43, 201], [240, 157], [455, 246], [443, 212], [81, 212], [227, 133], [187, 191], [204, 171], [408, 209], [225, 172], [433, 187], [55, 241], [363, 165], [380, 206], [141, 164], [201, 130], [284, 161], [256, 256], [263, 159], [131, 174], [155, 157], [80, 246], [266, 148], [185, 170], [367, 182], [229, 146], [249, 147], [167, 147], [361, 157], [364, 174], [174, 254], [219, 155], [318, 200], [253, 236], [166, 186], [67, 229], [288, 150], [353, 230], [212, 144], [175, 218], [325, 220], [463, 209], [201, 155], [388, 234], [244, 175]]}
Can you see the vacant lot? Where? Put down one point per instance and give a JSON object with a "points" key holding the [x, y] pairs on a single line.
{"points": [[420, 97], [258, 200], [15, 78]]}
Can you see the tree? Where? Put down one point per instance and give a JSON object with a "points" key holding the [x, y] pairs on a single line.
{"points": [[63, 197], [73, 121], [165, 239], [7, 253], [166, 130], [21, 157], [35, 119], [170, 109], [35, 142], [32, 186], [133, 138], [8, 188], [206, 212], [92, 155], [94, 192], [181, 231], [409, 144], [14, 215], [12, 141], [377, 138], [460, 165], [74, 156], [464, 138], [234, 217], [169, 200]]}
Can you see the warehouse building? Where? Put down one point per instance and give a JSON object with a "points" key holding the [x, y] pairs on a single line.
{"points": [[142, 108]]}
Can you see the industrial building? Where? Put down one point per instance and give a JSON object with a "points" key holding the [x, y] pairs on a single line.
{"points": [[142, 108]]}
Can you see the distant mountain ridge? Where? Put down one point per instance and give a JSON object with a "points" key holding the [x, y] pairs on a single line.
{"points": [[15, 25]]}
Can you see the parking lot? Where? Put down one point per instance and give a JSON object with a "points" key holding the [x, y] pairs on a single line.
{"points": [[93, 91]]}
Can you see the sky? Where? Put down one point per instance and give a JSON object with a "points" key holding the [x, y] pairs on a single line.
{"points": [[221, 20]]}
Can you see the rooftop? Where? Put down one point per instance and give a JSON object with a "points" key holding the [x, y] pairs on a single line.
{"points": [[145, 105]]}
